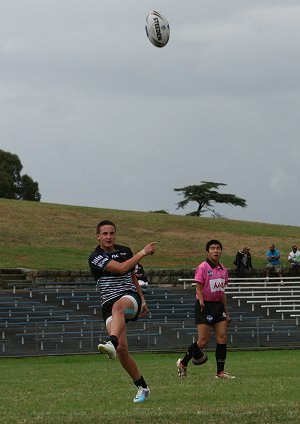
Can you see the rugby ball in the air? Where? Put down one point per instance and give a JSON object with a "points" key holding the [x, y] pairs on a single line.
{"points": [[157, 29]]}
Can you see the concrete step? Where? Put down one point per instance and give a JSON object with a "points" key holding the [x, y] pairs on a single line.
{"points": [[12, 276], [7, 271]]}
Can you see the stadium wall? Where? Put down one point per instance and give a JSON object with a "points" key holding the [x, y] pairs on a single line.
{"points": [[157, 277]]}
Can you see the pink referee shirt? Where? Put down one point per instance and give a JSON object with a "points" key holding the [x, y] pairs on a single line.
{"points": [[213, 280]]}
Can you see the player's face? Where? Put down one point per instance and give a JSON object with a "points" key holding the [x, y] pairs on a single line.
{"points": [[214, 252], [106, 237]]}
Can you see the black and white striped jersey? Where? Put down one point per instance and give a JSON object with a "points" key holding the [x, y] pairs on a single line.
{"points": [[111, 285]]}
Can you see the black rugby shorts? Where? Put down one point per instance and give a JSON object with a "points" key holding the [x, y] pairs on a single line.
{"points": [[212, 313], [107, 307]]}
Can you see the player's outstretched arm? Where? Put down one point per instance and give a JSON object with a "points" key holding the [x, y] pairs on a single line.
{"points": [[123, 267]]}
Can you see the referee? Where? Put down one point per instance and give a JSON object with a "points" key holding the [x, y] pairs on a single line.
{"points": [[211, 278]]}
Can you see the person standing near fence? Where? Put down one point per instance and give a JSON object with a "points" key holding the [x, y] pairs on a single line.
{"points": [[211, 311], [243, 261], [141, 276], [273, 262], [121, 297], [294, 258]]}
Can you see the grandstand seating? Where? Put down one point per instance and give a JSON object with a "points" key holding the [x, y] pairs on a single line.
{"points": [[66, 318]]}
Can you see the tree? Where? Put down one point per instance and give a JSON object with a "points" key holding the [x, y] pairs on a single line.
{"points": [[205, 195], [13, 185], [29, 189], [7, 188]]}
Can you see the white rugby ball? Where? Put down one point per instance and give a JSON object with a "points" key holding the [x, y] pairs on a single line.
{"points": [[157, 29]]}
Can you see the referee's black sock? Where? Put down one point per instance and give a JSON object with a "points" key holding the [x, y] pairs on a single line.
{"points": [[114, 340], [221, 352], [193, 351], [198, 353]]}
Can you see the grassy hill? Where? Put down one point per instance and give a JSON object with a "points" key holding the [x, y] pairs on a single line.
{"points": [[50, 236]]}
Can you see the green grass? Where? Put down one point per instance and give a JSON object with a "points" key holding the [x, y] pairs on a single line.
{"points": [[92, 389], [49, 236]]}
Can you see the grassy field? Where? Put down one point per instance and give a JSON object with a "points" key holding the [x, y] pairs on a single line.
{"points": [[50, 236], [93, 389]]}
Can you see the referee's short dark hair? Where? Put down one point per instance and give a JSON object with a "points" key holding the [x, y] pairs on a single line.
{"points": [[102, 223], [210, 242]]}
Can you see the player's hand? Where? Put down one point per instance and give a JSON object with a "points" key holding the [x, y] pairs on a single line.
{"points": [[202, 306], [149, 249], [228, 319], [144, 309]]}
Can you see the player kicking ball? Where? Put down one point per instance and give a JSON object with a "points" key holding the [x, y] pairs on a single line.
{"points": [[211, 278], [122, 300]]}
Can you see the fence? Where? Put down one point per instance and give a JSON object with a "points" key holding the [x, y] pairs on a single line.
{"points": [[60, 318]]}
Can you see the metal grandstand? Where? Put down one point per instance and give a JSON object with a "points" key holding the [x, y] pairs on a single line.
{"points": [[64, 318]]}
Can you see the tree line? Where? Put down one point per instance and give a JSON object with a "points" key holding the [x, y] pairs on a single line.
{"points": [[14, 185]]}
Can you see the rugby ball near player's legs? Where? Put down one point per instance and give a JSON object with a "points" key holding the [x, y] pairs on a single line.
{"points": [[157, 29]]}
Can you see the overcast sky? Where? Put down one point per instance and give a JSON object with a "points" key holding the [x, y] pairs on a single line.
{"points": [[100, 117]]}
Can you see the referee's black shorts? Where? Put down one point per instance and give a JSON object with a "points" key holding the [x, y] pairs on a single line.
{"points": [[212, 313]]}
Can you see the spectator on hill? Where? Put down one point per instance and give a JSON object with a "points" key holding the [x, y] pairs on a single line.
{"points": [[211, 311], [121, 297], [273, 262], [294, 258], [243, 261], [141, 276]]}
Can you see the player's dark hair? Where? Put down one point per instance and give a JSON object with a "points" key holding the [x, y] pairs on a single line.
{"points": [[104, 222], [213, 242]]}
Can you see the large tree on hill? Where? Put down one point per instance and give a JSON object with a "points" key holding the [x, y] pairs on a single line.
{"points": [[13, 185], [206, 194]]}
